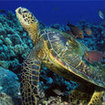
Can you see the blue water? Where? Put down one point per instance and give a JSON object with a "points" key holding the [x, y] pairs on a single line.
{"points": [[59, 11]]}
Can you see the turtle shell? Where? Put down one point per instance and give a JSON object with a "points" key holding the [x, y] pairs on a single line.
{"points": [[69, 53]]}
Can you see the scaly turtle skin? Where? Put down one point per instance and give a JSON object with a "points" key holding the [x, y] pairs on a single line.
{"points": [[63, 55]]}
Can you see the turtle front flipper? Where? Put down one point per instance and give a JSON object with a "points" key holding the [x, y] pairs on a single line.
{"points": [[96, 98], [30, 79]]}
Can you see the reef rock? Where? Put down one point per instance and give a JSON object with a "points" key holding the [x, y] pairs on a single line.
{"points": [[9, 86]]}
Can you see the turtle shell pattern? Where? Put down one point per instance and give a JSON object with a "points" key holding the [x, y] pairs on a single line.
{"points": [[69, 52]]}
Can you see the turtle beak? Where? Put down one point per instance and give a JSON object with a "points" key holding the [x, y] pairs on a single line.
{"points": [[19, 10]]}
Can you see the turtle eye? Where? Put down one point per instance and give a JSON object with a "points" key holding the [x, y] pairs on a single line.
{"points": [[25, 11]]}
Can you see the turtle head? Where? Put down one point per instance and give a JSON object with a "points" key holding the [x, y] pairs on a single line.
{"points": [[28, 22], [25, 16]]}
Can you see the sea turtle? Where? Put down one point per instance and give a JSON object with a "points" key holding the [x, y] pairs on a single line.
{"points": [[63, 55]]}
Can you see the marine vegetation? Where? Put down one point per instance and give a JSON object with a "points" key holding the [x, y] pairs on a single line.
{"points": [[63, 54]]}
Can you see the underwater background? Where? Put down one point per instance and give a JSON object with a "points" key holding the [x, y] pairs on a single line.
{"points": [[15, 43], [59, 11]]}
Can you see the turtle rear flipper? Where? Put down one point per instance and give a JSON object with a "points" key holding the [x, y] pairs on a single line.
{"points": [[96, 98], [79, 98], [30, 79]]}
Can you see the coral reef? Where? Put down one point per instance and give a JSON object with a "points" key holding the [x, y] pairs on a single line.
{"points": [[53, 101], [14, 41], [50, 81], [15, 45], [5, 99]]}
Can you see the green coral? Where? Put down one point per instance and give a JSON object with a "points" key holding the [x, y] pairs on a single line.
{"points": [[4, 64]]}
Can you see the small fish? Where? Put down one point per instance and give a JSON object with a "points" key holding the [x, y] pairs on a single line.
{"points": [[76, 32], [58, 92], [94, 56], [101, 14], [88, 31], [2, 11]]}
